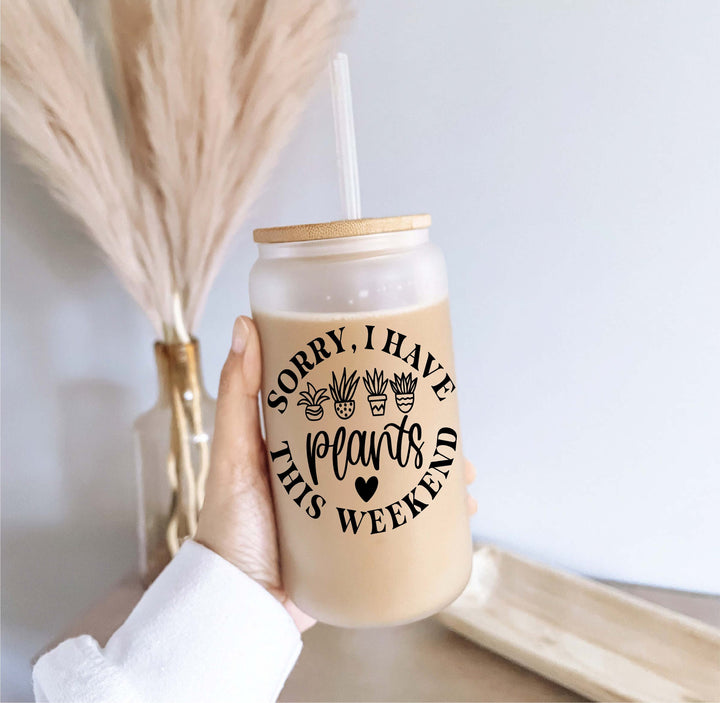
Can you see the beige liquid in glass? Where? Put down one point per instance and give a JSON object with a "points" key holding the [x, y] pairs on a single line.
{"points": [[369, 490]]}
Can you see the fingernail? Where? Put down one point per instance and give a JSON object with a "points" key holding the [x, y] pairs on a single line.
{"points": [[240, 335]]}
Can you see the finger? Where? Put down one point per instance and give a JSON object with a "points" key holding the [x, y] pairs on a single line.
{"points": [[237, 441], [237, 519], [469, 471], [241, 373], [472, 505]]}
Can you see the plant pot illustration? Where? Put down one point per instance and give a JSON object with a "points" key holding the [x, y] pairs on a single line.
{"points": [[313, 412], [342, 393], [345, 409], [375, 385], [403, 387], [405, 401], [313, 399], [377, 404]]}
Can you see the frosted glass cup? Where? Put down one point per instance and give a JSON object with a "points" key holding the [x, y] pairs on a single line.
{"points": [[361, 419]]}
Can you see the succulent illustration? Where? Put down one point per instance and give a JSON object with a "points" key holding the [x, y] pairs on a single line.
{"points": [[342, 393], [375, 385], [404, 389], [312, 399]]}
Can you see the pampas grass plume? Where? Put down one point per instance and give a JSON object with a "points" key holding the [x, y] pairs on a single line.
{"points": [[208, 92]]}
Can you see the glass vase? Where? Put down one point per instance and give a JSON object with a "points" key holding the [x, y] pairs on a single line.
{"points": [[173, 456]]}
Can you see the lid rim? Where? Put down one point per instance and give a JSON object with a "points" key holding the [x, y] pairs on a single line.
{"points": [[340, 228]]}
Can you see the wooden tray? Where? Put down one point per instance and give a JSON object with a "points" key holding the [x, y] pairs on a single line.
{"points": [[587, 636]]}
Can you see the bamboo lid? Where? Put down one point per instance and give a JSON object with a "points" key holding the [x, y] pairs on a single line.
{"points": [[340, 228]]}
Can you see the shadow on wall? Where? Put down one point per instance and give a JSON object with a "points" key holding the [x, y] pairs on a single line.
{"points": [[70, 339], [67, 449], [96, 453], [51, 574]]}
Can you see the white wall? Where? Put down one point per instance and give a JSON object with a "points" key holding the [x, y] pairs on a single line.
{"points": [[570, 155]]}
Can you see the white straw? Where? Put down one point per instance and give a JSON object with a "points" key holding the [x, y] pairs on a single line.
{"points": [[345, 137]]}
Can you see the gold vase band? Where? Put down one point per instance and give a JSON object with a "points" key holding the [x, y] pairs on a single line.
{"points": [[188, 457]]}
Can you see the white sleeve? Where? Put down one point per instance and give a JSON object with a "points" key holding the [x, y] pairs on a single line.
{"points": [[203, 631]]}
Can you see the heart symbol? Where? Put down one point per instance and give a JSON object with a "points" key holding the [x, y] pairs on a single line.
{"points": [[366, 489]]}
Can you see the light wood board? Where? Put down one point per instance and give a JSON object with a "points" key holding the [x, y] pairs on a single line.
{"points": [[587, 636]]}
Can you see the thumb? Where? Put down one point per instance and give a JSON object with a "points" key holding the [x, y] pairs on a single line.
{"points": [[241, 372], [237, 442], [237, 519]]}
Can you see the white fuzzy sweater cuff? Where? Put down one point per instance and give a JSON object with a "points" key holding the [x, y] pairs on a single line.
{"points": [[203, 631]]}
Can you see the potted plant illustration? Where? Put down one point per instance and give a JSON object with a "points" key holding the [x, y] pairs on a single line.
{"points": [[313, 399], [404, 389], [375, 385], [342, 393]]}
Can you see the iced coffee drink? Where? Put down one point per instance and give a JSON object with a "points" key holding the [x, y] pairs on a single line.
{"points": [[361, 417]]}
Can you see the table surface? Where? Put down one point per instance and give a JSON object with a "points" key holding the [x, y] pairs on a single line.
{"points": [[422, 661]]}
